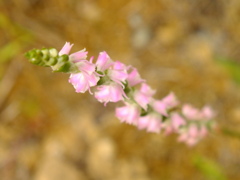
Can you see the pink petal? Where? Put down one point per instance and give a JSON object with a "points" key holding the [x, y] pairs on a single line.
{"points": [[160, 107], [134, 77], [86, 66], [154, 124], [109, 93], [193, 131], [143, 122], [170, 100], [78, 56], [141, 99], [147, 90], [65, 49], [177, 121], [128, 114], [83, 81], [208, 113], [190, 112], [103, 61], [144, 96]]}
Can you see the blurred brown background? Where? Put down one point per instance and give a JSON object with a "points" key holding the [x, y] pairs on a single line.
{"points": [[49, 132]]}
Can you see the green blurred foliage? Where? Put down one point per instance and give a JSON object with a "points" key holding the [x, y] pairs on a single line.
{"points": [[208, 168], [19, 40], [232, 67]]}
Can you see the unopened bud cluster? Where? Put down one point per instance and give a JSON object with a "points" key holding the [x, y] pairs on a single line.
{"points": [[113, 81], [51, 58]]}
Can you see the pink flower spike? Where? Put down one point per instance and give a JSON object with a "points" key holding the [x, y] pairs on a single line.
{"points": [[83, 81], [128, 114], [134, 77], [109, 93], [65, 49], [103, 61], [78, 56]]}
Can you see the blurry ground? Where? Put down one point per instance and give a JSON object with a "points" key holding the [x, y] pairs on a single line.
{"points": [[48, 132]]}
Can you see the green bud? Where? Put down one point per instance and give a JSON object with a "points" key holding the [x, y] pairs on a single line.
{"points": [[49, 57], [46, 58], [35, 61], [45, 51], [52, 61], [53, 52]]}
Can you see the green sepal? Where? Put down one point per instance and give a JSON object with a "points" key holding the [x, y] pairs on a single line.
{"points": [[66, 67]]}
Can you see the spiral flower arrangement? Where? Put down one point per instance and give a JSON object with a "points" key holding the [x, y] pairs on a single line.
{"points": [[113, 81]]}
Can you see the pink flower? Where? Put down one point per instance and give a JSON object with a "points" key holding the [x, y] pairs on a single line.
{"points": [[174, 123], [162, 106], [118, 72], [103, 61], [86, 78], [192, 134], [144, 95], [128, 114], [74, 57], [134, 77], [152, 122], [83, 81], [78, 56], [170, 100], [177, 121], [86, 66], [65, 49], [109, 93], [190, 112], [208, 113]]}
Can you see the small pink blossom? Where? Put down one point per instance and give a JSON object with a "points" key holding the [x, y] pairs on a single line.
{"points": [[103, 61], [177, 121], [152, 122], [162, 106], [134, 77], [86, 66], [83, 81], [174, 123], [190, 112], [112, 92], [86, 78], [144, 95], [208, 113], [78, 56], [65, 49], [118, 72], [128, 114], [74, 57], [192, 134], [170, 100]]}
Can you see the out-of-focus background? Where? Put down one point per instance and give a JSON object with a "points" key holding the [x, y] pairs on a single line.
{"points": [[49, 132]]}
